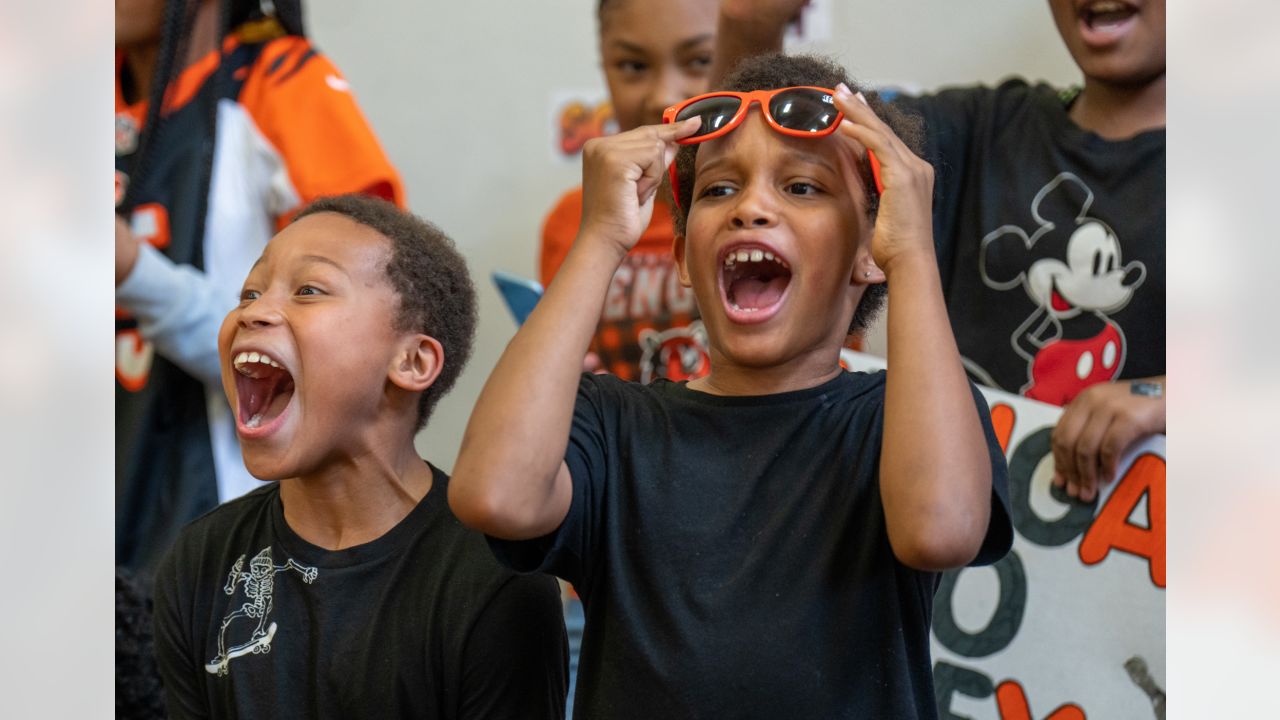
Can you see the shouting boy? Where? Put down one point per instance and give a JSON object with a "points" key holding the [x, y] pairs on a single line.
{"points": [[348, 588], [763, 541]]}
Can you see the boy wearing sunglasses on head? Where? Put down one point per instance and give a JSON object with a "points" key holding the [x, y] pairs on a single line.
{"points": [[763, 541]]}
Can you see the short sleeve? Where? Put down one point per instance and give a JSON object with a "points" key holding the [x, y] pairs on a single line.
{"points": [[305, 109], [558, 233], [568, 552], [999, 537], [181, 674], [516, 659]]}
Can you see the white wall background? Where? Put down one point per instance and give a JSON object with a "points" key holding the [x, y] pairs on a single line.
{"points": [[460, 94]]}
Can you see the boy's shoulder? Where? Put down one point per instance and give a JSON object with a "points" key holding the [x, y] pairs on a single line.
{"points": [[247, 516]]}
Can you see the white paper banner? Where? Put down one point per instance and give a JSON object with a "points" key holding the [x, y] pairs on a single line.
{"points": [[1070, 624]]}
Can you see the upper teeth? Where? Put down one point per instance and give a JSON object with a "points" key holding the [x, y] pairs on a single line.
{"points": [[1106, 6], [245, 358], [756, 255]]}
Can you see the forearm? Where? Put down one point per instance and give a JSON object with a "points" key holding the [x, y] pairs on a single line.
{"points": [[178, 310], [935, 470], [742, 32], [507, 480]]}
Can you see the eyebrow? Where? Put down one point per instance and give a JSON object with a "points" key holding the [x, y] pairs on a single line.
{"points": [[803, 156], [324, 260], [681, 47]]}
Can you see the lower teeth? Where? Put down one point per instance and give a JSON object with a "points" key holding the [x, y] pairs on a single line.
{"points": [[254, 421]]}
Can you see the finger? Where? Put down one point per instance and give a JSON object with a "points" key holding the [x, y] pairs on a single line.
{"points": [[856, 109], [671, 132], [1065, 435], [1086, 452], [1122, 433]]}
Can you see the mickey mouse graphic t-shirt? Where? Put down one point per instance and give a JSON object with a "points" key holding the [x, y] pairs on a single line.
{"points": [[1050, 240]]}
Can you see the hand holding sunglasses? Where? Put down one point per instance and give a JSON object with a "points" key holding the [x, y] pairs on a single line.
{"points": [[904, 219], [621, 175]]}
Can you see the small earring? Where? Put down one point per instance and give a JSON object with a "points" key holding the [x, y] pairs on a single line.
{"points": [[866, 273]]}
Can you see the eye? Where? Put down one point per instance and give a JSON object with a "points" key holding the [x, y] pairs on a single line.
{"points": [[802, 188], [631, 67], [247, 295], [717, 190], [310, 290], [700, 64]]}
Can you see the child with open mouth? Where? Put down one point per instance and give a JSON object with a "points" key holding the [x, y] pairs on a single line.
{"points": [[348, 588], [763, 541]]}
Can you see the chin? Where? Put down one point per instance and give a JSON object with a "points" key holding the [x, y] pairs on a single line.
{"points": [[268, 469]]}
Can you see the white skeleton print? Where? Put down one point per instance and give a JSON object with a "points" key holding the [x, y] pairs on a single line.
{"points": [[259, 585]]}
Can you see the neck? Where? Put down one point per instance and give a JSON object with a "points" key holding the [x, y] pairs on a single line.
{"points": [[357, 498], [141, 59], [731, 379], [1119, 112], [141, 64]]}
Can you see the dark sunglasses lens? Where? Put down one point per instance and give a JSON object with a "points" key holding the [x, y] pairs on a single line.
{"points": [[714, 111], [804, 110]]}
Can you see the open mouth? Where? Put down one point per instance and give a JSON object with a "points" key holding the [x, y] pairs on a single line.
{"points": [[1056, 300], [263, 390], [753, 282], [1107, 17]]}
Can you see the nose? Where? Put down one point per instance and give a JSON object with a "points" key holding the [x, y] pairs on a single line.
{"points": [[669, 86], [261, 312], [754, 208]]}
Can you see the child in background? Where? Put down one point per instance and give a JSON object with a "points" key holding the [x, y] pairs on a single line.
{"points": [[1050, 222], [654, 53], [763, 541], [348, 588]]}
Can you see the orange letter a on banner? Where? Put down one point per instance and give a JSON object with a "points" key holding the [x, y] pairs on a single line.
{"points": [[1112, 529]]}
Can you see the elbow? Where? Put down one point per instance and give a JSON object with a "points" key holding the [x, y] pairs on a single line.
{"points": [[936, 554], [489, 511], [944, 542], [473, 506]]}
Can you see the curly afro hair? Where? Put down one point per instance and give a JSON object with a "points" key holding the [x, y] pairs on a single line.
{"points": [[777, 70], [426, 270]]}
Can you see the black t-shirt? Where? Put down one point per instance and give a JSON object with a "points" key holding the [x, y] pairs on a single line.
{"points": [[253, 621], [732, 556], [1050, 240]]}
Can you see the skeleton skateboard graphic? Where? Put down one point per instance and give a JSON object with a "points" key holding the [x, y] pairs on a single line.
{"points": [[259, 587]]}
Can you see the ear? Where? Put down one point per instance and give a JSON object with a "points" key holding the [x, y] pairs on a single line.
{"points": [[682, 268], [416, 363], [865, 270]]}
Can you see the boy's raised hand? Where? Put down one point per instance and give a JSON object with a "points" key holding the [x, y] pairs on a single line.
{"points": [[621, 175], [904, 221]]}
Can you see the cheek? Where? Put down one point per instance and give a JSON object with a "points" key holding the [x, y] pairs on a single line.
{"points": [[226, 333]]}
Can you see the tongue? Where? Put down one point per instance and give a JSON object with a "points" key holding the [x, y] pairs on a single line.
{"points": [[751, 292], [265, 398]]}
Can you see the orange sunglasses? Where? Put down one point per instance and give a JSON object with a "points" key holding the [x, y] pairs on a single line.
{"points": [[800, 111]]}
